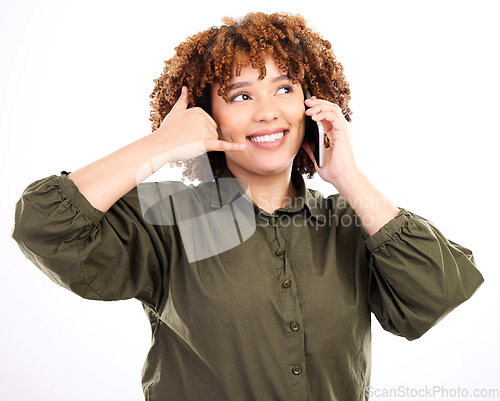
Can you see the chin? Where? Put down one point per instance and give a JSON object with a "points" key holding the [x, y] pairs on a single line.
{"points": [[266, 165], [270, 168]]}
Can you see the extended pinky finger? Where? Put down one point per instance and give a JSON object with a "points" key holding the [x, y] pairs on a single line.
{"points": [[221, 146]]}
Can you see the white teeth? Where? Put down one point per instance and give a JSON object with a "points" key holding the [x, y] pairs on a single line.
{"points": [[267, 138]]}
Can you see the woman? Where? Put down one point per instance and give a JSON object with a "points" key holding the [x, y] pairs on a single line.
{"points": [[256, 287]]}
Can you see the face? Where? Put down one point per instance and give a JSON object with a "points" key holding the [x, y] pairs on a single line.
{"points": [[268, 115]]}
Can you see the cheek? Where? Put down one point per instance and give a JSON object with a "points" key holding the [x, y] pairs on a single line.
{"points": [[232, 125], [221, 116], [225, 128], [297, 115], [301, 124], [222, 125], [303, 128], [296, 111]]}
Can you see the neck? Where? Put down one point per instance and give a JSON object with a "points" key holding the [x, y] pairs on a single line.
{"points": [[269, 192]]}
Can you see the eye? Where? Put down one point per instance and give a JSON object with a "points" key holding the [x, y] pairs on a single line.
{"points": [[240, 97], [284, 89]]}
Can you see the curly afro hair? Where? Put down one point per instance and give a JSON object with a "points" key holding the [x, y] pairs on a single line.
{"points": [[208, 58]]}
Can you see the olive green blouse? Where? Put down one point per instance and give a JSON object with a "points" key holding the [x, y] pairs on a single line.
{"points": [[245, 305]]}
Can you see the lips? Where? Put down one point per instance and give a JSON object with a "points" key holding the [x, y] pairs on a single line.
{"points": [[267, 136]]}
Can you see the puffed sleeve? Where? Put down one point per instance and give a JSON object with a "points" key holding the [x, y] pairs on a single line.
{"points": [[416, 275], [103, 256]]}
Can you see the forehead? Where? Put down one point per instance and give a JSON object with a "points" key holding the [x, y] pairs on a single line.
{"points": [[242, 68], [268, 67]]}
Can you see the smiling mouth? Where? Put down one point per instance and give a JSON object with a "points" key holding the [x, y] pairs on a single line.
{"points": [[267, 138]]}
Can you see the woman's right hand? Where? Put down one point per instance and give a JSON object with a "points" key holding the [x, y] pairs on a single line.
{"points": [[184, 134], [190, 132]]}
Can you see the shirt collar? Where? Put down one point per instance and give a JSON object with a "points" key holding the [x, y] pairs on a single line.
{"points": [[226, 188]]}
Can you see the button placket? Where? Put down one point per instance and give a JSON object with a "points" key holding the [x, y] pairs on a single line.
{"points": [[292, 315], [279, 251]]}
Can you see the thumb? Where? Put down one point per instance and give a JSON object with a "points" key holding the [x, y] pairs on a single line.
{"points": [[309, 150], [307, 147], [183, 101]]}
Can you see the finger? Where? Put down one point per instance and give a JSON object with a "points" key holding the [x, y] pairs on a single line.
{"points": [[307, 147], [337, 121], [215, 145], [183, 101], [311, 102], [323, 107], [334, 127], [331, 111], [325, 115], [314, 101], [199, 117], [211, 120]]}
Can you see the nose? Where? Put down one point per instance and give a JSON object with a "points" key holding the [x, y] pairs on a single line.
{"points": [[266, 109]]}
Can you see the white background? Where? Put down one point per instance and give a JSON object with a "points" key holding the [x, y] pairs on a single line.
{"points": [[75, 79]]}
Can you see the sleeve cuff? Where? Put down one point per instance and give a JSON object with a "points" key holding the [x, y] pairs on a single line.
{"points": [[387, 232], [70, 190]]}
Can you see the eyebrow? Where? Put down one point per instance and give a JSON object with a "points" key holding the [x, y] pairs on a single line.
{"points": [[241, 84]]}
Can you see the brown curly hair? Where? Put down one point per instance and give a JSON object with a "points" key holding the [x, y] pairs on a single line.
{"points": [[208, 58]]}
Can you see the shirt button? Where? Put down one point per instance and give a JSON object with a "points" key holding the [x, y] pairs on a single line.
{"points": [[273, 220], [296, 370], [287, 283], [294, 326], [279, 252]]}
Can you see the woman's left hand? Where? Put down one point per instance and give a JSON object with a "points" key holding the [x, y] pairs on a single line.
{"points": [[339, 168], [338, 160]]}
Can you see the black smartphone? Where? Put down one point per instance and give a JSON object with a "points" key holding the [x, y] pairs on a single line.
{"points": [[315, 135]]}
